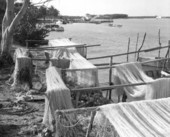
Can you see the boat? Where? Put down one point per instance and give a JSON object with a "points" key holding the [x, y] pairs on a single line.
{"points": [[115, 25], [158, 17], [54, 27], [111, 24]]}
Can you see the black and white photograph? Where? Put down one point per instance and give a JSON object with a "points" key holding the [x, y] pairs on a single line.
{"points": [[84, 68]]}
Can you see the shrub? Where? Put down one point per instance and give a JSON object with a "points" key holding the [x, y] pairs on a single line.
{"points": [[26, 30]]}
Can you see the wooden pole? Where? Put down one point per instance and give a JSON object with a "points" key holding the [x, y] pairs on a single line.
{"points": [[97, 89], [26, 44], [93, 113], [110, 77], [159, 38], [136, 45], [113, 66], [62, 46], [141, 45], [167, 55], [128, 50]]}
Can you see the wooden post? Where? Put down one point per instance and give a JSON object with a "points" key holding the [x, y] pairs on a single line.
{"points": [[56, 132], [167, 55], [141, 45], [128, 50], [26, 44], [168, 47], [110, 77], [136, 45], [93, 113], [159, 38], [77, 99]]}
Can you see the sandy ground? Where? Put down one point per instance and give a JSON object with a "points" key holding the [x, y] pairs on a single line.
{"points": [[24, 119], [17, 122]]}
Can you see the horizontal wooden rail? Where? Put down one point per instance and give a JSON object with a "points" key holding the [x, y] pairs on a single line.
{"points": [[79, 45], [59, 47], [109, 87], [105, 67], [35, 40], [77, 110], [56, 47], [108, 67], [107, 64], [121, 54], [95, 45], [80, 110]]}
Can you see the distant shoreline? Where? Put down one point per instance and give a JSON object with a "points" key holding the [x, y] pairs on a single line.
{"points": [[147, 17]]}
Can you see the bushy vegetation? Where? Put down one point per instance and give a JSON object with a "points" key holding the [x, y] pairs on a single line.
{"points": [[27, 30], [116, 16]]}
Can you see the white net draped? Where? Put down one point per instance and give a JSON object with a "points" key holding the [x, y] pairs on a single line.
{"points": [[131, 73]]}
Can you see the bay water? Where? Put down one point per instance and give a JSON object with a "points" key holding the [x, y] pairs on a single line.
{"points": [[114, 40]]}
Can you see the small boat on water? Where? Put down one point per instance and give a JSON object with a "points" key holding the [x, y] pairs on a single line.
{"points": [[158, 17], [54, 27], [115, 25], [57, 28]]}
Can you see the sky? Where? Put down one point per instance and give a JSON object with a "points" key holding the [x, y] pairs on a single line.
{"points": [[130, 7]]}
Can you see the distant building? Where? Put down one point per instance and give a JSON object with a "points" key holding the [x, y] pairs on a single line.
{"points": [[106, 17], [101, 19]]}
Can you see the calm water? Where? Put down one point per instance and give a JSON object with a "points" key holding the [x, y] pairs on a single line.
{"points": [[114, 40]]}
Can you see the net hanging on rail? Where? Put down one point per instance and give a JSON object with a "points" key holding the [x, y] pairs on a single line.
{"points": [[57, 95], [85, 73], [130, 73]]}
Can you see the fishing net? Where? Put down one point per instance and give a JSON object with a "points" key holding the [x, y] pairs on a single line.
{"points": [[139, 119], [134, 119], [130, 73], [79, 126], [57, 95], [82, 50], [85, 73], [80, 73]]}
